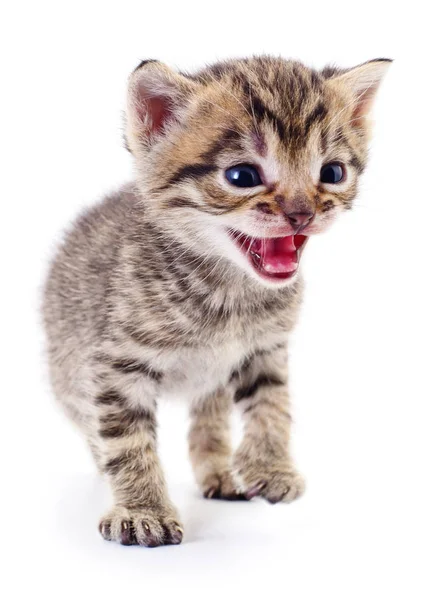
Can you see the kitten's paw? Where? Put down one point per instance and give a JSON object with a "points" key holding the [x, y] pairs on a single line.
{"points": [[274, 482], [221, 486], [145, 527]]}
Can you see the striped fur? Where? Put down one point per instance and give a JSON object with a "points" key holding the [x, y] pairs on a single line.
{"points": [[148, 297]]}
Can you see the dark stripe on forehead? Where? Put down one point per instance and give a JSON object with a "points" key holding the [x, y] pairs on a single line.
{"points": [[217, 70], [262, 113], [318, 113], [323, 140], [316, 81]]}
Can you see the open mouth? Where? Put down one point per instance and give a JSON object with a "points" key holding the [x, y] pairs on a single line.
{"points": [[272, 258]]}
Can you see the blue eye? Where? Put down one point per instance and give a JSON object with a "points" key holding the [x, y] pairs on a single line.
{"points": [[243, 176], [332, 173]]}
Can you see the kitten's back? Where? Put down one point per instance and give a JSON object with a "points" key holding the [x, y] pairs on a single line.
{"points": [[75, 303]]}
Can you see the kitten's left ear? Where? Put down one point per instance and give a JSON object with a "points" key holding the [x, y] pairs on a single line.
{"points": [[158, 98], [362, 83]]}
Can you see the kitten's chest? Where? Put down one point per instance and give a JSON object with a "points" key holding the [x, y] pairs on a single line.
{"points": [[201, 360], [193, 372]]}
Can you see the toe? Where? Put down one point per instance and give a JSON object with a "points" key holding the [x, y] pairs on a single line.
{"points": [[127, 533], [255, 490], [212, 492], [105, 529], [147, 537], [284, 487], [220, 494], [173, 534], [222, 487], [277, 496]]}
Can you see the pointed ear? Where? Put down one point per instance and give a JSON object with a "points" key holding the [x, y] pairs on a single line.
{"points": [[157, 99], [362, 83]]}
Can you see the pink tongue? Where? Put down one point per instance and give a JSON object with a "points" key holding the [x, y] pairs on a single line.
{"points": [[278, 255]]}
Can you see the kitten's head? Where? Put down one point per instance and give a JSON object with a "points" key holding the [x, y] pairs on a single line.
{"points": [[248, 158]]}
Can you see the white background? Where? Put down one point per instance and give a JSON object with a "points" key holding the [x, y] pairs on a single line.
{"points": [[368, 359]]}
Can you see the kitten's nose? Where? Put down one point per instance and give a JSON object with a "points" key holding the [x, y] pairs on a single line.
{"points": [[300, 220]]}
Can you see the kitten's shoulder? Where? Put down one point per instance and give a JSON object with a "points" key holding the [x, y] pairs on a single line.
{"points": [[114, 212], [90, 247], [102, 227]]}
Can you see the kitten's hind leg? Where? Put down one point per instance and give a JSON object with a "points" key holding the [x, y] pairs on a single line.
{"points": [[210, 446]]}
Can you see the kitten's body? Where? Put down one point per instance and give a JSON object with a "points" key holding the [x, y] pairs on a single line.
{"points": [[195, 341], [149, 297]]}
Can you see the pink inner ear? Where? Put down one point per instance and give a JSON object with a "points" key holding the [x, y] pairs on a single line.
{"points": [[159, 113], [153, 112], [363, 105]]}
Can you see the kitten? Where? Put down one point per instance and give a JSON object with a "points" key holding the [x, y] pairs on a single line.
{"points": [[187, 282]]}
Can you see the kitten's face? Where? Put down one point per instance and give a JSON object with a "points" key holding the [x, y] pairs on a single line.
{"points": [[248, 159]]}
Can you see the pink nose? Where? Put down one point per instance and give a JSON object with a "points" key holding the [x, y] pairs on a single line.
{"points": [[299, 220]]}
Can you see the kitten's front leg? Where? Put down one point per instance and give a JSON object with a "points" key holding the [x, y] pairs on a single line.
{"points": [[210, 445], [125, 441], [262, 464]]}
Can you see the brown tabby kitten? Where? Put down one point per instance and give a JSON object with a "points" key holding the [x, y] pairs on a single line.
{"points": [[186, 283]]}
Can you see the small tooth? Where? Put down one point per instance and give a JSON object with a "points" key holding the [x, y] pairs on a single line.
{"points": [[272, 269]]}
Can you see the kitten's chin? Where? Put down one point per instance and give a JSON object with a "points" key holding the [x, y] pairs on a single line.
{"points": [[273, 260]]}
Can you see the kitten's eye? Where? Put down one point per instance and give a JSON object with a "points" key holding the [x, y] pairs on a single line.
{"points": [[332, 173], [244, 176]]}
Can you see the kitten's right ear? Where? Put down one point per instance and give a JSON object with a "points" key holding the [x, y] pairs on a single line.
{"points": [[362, 83], [157, 99]]}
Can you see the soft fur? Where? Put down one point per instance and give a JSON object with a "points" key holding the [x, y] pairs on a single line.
{"points": [[149, 297]]}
